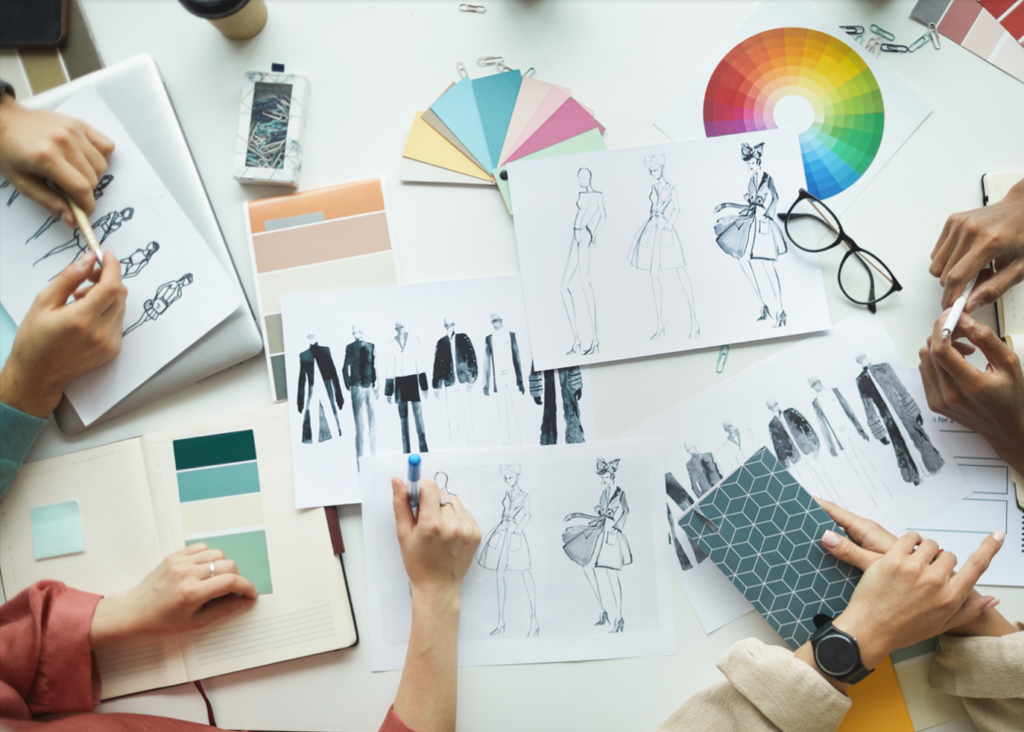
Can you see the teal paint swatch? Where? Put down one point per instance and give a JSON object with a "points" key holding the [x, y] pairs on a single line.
{"points": [[218, 481], [495, 99], [57, 530], [249, 553], [763, 530], [457, 109], [200, 452]]}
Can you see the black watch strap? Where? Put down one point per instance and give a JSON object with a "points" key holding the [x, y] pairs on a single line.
{"points": [[826, 629]]}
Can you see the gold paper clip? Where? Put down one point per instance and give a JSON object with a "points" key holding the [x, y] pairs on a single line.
{"points": [[461, 68], [467, 8], [723, 356], [489, 60]]}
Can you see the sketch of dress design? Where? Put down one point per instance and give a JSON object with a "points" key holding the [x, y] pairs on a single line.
{"points": [[590, 215], [135, 262], [311, 391], [793, 438], [505, 548], [703, 471], [359, 372], [406, 377], [739, 445], [678, 496], [657, 247], [753, 235], [503, 373], [166, 295], [103, 226], [97, 193], [542, 389], [601, 544], [455, 372]]}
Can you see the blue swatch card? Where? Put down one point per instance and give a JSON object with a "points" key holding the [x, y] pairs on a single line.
{"points": [[495, 99], [763, 530], [457, 109], [57, 530]]}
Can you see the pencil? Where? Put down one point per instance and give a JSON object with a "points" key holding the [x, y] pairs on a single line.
{"points": [[86, 229]]}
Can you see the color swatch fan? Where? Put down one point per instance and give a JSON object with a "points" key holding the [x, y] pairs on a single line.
{"points": [[478, 125], [991, 29]]}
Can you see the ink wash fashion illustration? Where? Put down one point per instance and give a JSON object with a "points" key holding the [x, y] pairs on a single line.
{"points": [[753, 236], [326, 390], [682, 500], [359, 373], [455, 372], [590, 215], [505, 548], [503, 375], [797, 446], [658, 250], [542, 389], [601, 544], [406, 376], [739, 444], [166, 295]]}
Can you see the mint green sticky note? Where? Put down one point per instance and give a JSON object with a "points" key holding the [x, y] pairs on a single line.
{"points": [[57, 530]]}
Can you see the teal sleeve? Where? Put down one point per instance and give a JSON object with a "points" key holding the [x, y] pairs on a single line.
{"points": [[18, 432]]}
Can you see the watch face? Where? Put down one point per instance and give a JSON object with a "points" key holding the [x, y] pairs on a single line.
{"points": [[836, 655]]}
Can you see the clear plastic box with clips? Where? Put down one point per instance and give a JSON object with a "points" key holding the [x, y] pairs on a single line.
{"points": [[271, 126]]}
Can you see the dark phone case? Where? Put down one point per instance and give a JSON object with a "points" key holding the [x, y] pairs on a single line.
{"points": [[33, 23]]}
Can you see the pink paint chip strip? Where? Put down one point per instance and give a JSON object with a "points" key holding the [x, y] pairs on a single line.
{"points": [[569, 120]]}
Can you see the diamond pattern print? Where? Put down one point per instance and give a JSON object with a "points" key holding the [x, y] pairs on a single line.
{"points": [[763, 530]]}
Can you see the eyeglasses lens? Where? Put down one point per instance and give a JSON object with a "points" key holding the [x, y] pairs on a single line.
{"points": [[811, 226]]}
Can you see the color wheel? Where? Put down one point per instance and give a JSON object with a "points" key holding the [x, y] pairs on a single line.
{"points": [[840, 143]]}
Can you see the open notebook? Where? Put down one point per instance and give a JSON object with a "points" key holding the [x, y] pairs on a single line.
{"points": [[227, 483]]}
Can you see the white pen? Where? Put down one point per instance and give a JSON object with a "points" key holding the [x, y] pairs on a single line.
{"points": [[958, 309]]}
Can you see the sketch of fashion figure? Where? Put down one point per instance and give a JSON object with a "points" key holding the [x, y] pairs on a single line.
{"points": [[97, 193], [505, 548], [793, 438], [542, 389], [103, 226], [14, 194], [327, 389], [359, 373], [739, 445], [657, 247], [166, 295], [590, 214], [406, 377], [503, 374], [601, 544], [135, 262], [753, 236], [455, 372], [703, 471], [683, 502]]}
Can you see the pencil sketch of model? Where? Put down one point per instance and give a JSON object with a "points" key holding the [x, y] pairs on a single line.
{"points": [[657, 248], [455, 372], [739, 445], [103, 226], [97, 193], [505, 548], [166, 295], [753, 236], [601, 544], [14, 193], [590, 215], [405, 380], [134, 263], [503, 375]]}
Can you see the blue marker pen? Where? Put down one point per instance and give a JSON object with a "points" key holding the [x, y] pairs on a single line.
{"points": [[414, 481]]}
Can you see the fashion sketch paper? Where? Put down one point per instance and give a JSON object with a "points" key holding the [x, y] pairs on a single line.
{"points": [[844, 417], [417, 368], [571, 566], [789, 66], [632, 253], [177, 290]]}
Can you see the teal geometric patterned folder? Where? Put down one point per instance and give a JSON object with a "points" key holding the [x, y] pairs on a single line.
{"points": [[763, 530]]}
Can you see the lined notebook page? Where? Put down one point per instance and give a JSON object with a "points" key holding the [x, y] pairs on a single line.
{"points": [[109, 484], [308, 611]]}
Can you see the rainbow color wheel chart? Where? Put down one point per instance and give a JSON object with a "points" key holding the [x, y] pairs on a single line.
{"points": [[807, 79]]}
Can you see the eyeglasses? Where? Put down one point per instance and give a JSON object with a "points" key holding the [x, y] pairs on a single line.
{"points": [[812, 226]]}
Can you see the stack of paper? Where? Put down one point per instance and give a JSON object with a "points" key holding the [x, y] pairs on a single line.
{"points": [[478, 125]]}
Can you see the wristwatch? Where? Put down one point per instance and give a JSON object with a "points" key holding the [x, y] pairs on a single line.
{"points": [[836, 653]]}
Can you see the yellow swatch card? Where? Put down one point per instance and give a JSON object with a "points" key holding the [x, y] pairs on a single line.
{"points": [[878, 704], [428, 146]]}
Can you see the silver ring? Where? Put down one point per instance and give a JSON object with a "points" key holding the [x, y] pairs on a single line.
{"points": [[213, 570], [445, 502]]}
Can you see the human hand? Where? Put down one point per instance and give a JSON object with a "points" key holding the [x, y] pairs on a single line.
{"points": [[179, 595], [36, 145], [970, 240], [438, 543], [990, 402], [57, 342]]}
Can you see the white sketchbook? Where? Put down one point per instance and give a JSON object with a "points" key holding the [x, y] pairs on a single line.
{"points": [[632, 253], [357, 387], [846, 417], [574, 535], [177, 290]]}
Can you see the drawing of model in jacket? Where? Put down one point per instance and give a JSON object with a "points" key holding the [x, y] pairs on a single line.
{"points": [[794, 440], [679, 498], [327, 389], [359, 373], [542, 389], [455, 372], [503, 374], [406, 377]]}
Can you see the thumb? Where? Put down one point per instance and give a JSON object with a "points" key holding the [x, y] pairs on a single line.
{"points": [[993, 348], [403, 511], [68, 281], [972, 609], [220, 608], [846, 551]]}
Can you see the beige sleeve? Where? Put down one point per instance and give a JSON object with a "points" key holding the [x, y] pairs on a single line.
{"points": [[987, 674], [767, 689]]}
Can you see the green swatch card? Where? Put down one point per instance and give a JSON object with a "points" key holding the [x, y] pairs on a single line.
{"points": [[57, 530]]}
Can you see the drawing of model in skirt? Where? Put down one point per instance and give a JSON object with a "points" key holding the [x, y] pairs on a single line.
{"points": [[657, 247], [753, 235], [589, 217], [600, 543], [504, 549]]}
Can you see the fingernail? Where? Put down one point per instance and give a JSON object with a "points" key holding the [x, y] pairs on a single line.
{"points": [[999, 536], [830, 539], [992, 603], [85, 263]]}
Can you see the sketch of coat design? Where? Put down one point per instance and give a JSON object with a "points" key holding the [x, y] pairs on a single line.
{"points": [[799, 438], [321, 356], [703, 472], [506, 542], [659, 232], [830, 430], [459, 367], [908, 412], [600, 542], [492, 369], [881, 422], [748, 233], [542, 386], [675, 492]]}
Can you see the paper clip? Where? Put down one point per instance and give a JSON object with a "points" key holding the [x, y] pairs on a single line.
{"points": [[467, 8], [920, 42], [461, 68], [853, 30], [879, 30], [872, 45], [723, 356], [489, 60], [530, 71], [935, 36], [859, 38], [893, 48], [502, 68]]}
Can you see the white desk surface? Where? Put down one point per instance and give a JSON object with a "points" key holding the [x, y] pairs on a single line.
{"points": [[372, 65]]}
